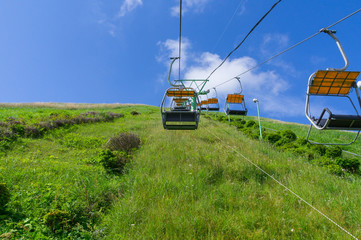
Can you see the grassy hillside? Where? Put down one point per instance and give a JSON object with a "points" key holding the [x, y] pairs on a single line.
{"points": [[177, 185]]}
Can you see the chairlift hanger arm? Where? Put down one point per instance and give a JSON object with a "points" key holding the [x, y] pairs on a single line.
{"points": [[331, 33], [170, 71], [239, 80]]}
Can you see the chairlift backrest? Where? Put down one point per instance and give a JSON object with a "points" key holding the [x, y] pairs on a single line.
{"points": [[234, 98], [181, 92], [332, 82], [212, 100], [204, 102]]}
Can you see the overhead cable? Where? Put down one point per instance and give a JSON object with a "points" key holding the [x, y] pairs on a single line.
{"points": [[258, 65], [244, 39]]}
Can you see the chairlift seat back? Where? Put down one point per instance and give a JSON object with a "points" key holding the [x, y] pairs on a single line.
{"points": [[213, 101], [181, 92], [234, 98], [332, 82]]}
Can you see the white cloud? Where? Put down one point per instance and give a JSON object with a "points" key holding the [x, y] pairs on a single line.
{"points": [[268, 86], [128, 6], [190, 5], [170, 48]]}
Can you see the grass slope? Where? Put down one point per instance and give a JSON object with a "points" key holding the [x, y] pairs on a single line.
{"points": [[191, 185], [179, 185]]}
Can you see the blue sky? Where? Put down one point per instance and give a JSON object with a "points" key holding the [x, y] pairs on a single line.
{"points": [[104, 51]]}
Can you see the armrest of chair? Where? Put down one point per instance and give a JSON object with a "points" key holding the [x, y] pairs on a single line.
{"points": [[323, 113]]}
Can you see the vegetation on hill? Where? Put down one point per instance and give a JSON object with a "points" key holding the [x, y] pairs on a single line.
{"points": [[128, 178]]}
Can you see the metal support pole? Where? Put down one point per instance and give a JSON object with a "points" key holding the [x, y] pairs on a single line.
{"points": [[259, 118]]}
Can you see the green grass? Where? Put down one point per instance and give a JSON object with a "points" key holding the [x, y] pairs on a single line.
{"points": [[325, 136], [178, 185]]}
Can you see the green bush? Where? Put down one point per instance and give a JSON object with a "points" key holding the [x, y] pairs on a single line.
{"points": [[302, 141], [289, 135], [4, 196], [250, 124], [304, 151], [250, 132], [273, 137], [221, 118], [134, 113], [319, 149], [113, 162], [125, 142], [58, 221], [289, 146], [333, 152], [351, 165]]}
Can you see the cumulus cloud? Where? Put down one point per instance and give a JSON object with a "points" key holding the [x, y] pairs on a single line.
{"points": [[190, 5], [170, 48], [128, 6], [268, 86]]}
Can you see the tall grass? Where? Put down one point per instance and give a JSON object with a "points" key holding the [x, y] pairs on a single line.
{"points": [[178, 185], [191, 185]]}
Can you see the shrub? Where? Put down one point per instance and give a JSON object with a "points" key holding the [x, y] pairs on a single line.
{"points": [[113, 162], [289, 135], [221, 118], [32, 131], [17, 128], [250, 123], [319, 149], [7, 134], [333, 152], [250, 132], [304, 151], [57, 220], [351, 165], [4, 196], [324, 161], [123, 142], [134, 113], [273, 137], [302, 141], [290, 146]]}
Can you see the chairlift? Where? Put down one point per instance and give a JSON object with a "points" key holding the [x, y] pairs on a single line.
{"points": [[235, 104], [213, 104], [204, 105], [333, 82], [180, 113]]}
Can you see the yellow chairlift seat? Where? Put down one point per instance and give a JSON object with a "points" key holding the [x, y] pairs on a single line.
{"points": [[236, 99]]}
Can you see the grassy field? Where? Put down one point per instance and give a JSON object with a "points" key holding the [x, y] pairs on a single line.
{"points": [[177, 185]]}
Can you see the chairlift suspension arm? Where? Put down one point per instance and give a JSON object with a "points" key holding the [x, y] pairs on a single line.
{"points": [[239, 80], [331, 34]]}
